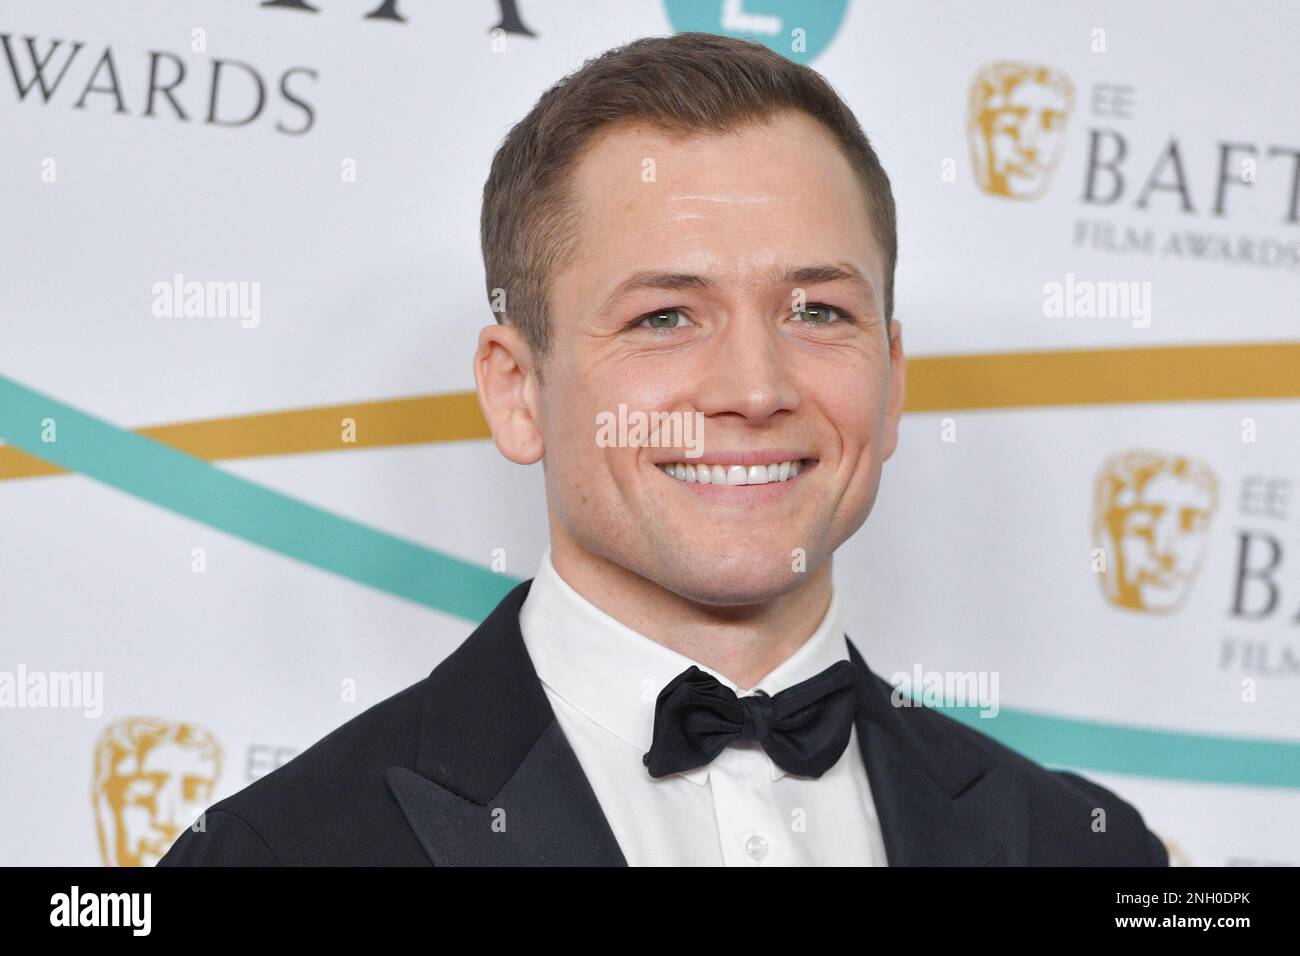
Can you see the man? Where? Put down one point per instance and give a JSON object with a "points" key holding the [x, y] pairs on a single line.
{"points": [[690, 226]]}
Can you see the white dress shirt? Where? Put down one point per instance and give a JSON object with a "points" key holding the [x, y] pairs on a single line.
{"points": [[602, 679]]}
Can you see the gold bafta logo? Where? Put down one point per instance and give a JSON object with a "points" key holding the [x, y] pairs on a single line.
{"points": [[152, 779], [1150, 518], [1016, 127]]}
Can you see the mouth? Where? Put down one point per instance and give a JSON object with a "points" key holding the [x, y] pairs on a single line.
{"points": [[727, 475]]}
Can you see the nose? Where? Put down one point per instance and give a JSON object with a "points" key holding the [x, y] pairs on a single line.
{"points": [[749, 371]]}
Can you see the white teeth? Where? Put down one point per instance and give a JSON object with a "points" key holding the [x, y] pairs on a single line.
{"points": [[732, 474]]}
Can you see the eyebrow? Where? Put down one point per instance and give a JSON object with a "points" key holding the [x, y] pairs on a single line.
{"points": [[796, 276]]}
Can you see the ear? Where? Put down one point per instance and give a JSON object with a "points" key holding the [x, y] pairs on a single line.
{"points": [[507, 393], [897, 386]]}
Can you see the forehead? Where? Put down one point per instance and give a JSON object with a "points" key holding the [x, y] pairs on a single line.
{"points": [[740, 203]]}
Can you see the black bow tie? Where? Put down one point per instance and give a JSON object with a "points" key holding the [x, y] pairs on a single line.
{"points": [[804, 728]]}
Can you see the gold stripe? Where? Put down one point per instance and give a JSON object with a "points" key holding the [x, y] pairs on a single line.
{"points": [[399, 421], [1184, 373]]}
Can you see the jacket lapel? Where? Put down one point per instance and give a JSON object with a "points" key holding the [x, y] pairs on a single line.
{"points": [[494, 781], [925, 782]]}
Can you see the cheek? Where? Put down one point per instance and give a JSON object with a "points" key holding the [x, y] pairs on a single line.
{"points": [[578, 464], [855, 409], [568, 440]]}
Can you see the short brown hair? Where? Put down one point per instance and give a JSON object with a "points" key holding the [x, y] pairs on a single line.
{"points": [[690, 83]]}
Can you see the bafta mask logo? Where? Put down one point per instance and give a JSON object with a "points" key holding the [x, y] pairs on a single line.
{"points": [[152, 779], [1151, 517], [1016, 127]]}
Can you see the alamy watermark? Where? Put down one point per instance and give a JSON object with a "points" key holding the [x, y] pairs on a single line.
{"points": [[1090, 299], [946, 688], [55, 690], [637, 429], [179, 299]]}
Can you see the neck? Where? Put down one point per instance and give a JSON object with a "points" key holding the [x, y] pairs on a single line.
{"points": [[741, 642]]}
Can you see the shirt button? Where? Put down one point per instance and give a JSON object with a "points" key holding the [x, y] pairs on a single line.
{"points": [[756, 847]]}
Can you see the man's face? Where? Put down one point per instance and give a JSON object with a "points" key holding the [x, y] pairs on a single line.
{"points": [[742, 212]]}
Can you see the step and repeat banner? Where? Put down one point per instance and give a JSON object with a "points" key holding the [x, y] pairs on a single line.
{"points": [[246, 491]]}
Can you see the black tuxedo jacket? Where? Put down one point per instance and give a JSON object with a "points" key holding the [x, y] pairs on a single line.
{"points": [[420, 779]]}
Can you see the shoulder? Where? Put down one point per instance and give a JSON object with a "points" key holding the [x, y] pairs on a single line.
{"points": [[1052, 816], [328, 805]]}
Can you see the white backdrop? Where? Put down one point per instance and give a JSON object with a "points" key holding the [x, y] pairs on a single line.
{"points": [[351, 201]]}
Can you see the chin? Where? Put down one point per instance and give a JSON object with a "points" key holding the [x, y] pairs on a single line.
{"points": [[730, 583]]}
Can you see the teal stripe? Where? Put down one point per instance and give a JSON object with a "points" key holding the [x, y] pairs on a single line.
{"points": [[1143, 752], [192, 487], [196, 489]]}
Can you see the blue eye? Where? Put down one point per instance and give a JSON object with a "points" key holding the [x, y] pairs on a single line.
{"points": [[822, 314], [653, 317]]}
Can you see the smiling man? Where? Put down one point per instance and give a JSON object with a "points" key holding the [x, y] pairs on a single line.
{"points": [[690, 225]]}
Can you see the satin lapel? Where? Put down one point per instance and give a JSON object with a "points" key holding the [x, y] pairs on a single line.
{"points": [[495, 782], [545, 815], [926, 785]]}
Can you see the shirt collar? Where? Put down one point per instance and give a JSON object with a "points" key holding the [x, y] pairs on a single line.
{"points": [[613, 674]]}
